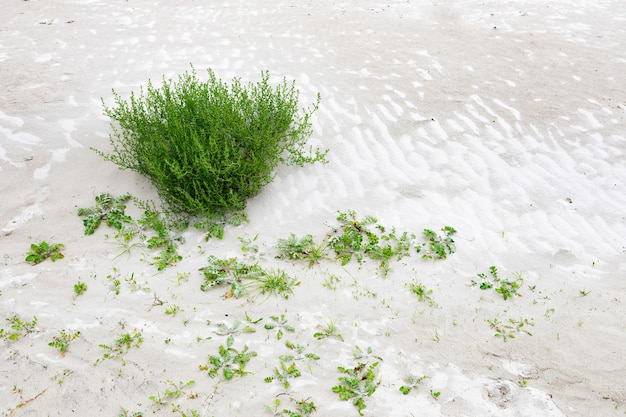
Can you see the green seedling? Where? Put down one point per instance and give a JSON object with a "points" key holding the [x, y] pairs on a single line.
{"points": [[229, 272], [63, 340], [162, 240], [510, 327], [224, 329], [274, 282], [230, 361], [422, 293], [279, 323], [284, 374], [173, 310], [173, 392], [435, 394], [121, 346], [439, 247], [507, 287], [79, 288], [304, 248], [42, 251], [368, 353], [108, 208], [327, 330], [411, 383], [19, 328], [297, 353], [301, 408], [357, 384], [213, 224], [125, 413], [249, 246]]}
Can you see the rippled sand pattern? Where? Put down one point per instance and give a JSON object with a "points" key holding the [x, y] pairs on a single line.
{"points": [[505, 119]]}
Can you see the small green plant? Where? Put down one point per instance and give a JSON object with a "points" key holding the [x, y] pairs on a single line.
{"points": [[507, 287], [63, 340], [439, 247], [295, 248], [173, 392], [301, 408], [284, 374], [249, 246], [357, 384], [226, 329], [121, 346], [79, 288], [125, 413], [508, 328], [297, 353], [279, 323], [230, 272], [327, 330], [42, 251], [173, 310], [422, 293], [19, 327], [206, 146], [273, 282], [108, 208], [411, 383], [230, 361]]}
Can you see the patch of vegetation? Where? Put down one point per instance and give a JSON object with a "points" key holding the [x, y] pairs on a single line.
{"points": [[509, 328], [422, 293], [507, 287], [411, 383], [279, 323], [301, 408], [206, 146], [230, 272], [230, 361], [108, 208], [121, 346], [274, 282], [439, 247], [42, 251], [79, 288], [357, 384], [302, 248], [19, 327], [63, 340]]}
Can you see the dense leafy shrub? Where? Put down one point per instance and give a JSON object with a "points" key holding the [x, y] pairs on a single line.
{"points": [[208, 146]]}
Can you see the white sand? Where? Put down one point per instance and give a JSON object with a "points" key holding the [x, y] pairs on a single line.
{"points": [[504, 119]]}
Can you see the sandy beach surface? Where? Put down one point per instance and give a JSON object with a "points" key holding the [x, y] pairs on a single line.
{"points": [[503, 119]]}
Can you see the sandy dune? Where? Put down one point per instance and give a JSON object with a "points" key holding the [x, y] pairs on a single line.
{"points": [[503, 119]]}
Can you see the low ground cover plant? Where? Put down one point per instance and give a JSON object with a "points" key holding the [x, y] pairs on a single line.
{"points": [[508, 287], [208, 146], [44, 250]]}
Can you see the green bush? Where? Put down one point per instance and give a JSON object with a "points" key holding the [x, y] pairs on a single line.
{"points": [[208, 146]]}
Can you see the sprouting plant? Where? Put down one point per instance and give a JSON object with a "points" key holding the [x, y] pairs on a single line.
{"points": [[108, 208], [162, 240], [125, 413], [284, 373], [115, 285], [507, 287], [273, 282], [508, 328], [331, 282], [231, 272], [63, 340], [121, 345], [302, 407], [279, 323], [353, 238], [368, 353], [230, 361], [225, 329], [42, 251], [295, 248], [173, 310], [249, 246], [326, 330], [422, 293], [80, 288], [19, 328], [297, 353], [412, 383], [134, 286], [439, 247], [357, 384], [213, 223], [172, 392]]}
